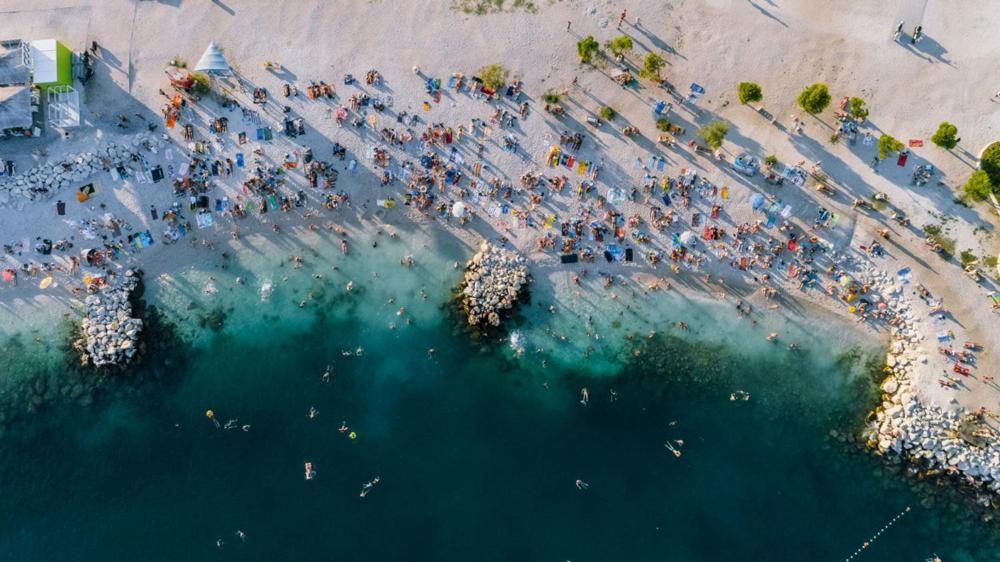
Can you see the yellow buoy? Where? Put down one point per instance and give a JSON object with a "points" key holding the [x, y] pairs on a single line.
{"points": [[352, 435], [210, 413]]}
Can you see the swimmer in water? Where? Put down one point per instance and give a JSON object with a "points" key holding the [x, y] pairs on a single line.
{"points": [[343, 427], [772, 336], [581, 485], [584, 396], [327, 374], [313, 412], [673, 450]]}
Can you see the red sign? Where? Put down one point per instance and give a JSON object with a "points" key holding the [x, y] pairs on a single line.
{"points": [[916, 143]]}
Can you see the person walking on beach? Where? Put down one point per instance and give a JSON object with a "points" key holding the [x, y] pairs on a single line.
{"points": [[621, 19], [568, 25]]}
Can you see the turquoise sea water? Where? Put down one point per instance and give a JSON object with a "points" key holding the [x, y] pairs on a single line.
{"points": [[477, 448]]}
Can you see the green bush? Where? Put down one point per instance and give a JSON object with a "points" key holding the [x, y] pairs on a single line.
{"points": [[619, 45], [202, 85], [815, 98], [714, 133], [967, 257], [550, 96], [990, 163], [663, 124], [886, 144], [932, 229], [587, 48], [947, 245], [770, 160], [606, 113], [858, 108], [979, 186], [651, 66], [749, 92], [494, 76], [946, 135]]}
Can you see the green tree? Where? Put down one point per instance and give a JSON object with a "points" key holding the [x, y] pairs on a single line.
{"points": [[815, 98], [494, 76], [770, 160], [606, 113], [651, 66], [979, 186], [663, 124], [858, 109], [550, 96], [749, 92], [887, 144], [714, 133], [202, 84], [619, 46], [945, 137], [587, 48], [989, 162]]}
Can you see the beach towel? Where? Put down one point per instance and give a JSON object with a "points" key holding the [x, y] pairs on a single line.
{"points": [[272, 201], [146, 238], [651, 162], [493, 210], [240, 162], [549, 221], [666, 199], [770, 221], [204, 220], [660, 164], [581, 167], [786, 212], [943, 337], [901, 160], [352, 166]]}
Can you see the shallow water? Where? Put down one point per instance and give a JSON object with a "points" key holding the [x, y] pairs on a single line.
{"points": [[478, 449]]}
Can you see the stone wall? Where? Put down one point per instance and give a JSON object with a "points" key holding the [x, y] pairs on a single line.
{"points": [[110, 333]]}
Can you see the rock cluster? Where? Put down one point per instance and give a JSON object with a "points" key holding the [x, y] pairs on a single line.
{"points": [[494, 278], [43, 181], [905, 427], [110, 332]]}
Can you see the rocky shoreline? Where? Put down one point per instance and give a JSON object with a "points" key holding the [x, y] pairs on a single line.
{"points": [[110, 332], [906, 429], [494, 280]]}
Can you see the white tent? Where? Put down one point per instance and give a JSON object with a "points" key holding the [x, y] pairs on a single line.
{"points": [[688, 238], [212, 61], [459, 210]]}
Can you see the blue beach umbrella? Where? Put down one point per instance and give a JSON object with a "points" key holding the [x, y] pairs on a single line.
{"points": [[756, 201]]}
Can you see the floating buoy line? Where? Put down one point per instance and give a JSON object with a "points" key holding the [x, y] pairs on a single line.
{"points": [[864, 546]]}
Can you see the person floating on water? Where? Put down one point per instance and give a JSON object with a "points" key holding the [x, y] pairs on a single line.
{"points": [[313, 412], [310, 473], [327, 374], [343, 427], [368, 486], [242, 536], [581, 485], [584, 396], [672, 449]]}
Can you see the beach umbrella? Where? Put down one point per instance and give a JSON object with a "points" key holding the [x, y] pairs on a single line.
{"points": [[45, 283], [212, 62], [688, 238], [8, 275], [756, 200], [459, 210]]}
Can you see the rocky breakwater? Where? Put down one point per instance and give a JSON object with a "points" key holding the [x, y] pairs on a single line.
{"points": [[907, 428], [43, 181], [110, 333], [494, 280]]}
